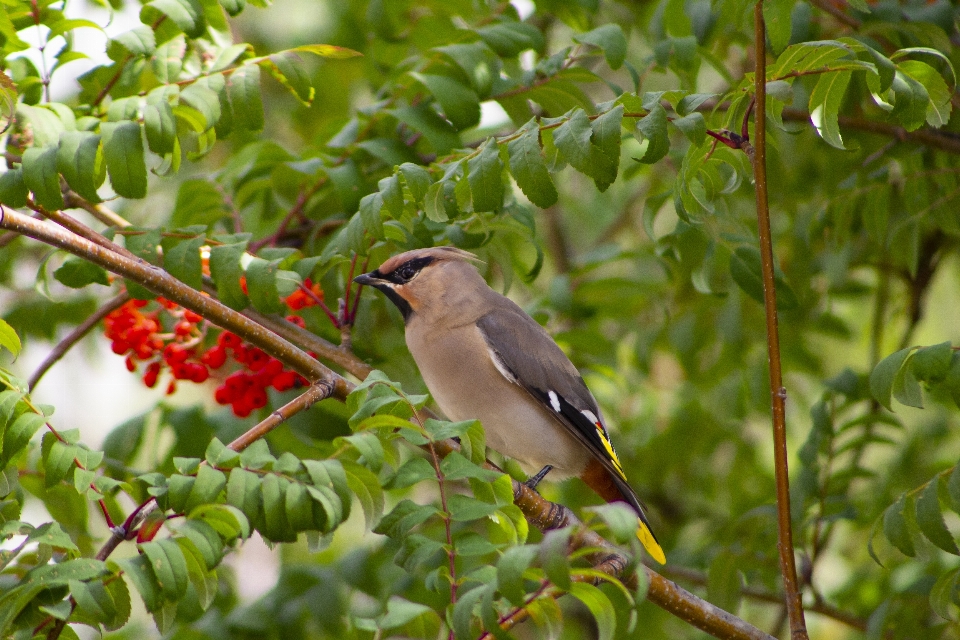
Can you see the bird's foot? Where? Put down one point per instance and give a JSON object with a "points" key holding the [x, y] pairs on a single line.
{"points": [[535, 480]]}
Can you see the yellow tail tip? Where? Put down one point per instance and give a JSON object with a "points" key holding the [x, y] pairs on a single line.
{"points": [[650, 544]]}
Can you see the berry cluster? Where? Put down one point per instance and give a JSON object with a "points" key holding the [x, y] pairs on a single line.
{"points": [[140, 334], [166, 336]]}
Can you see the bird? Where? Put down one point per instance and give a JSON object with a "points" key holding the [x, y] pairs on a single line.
{"points": [[482, 357]]}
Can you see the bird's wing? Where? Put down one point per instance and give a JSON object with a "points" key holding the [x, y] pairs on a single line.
{"points": [[526, 355]]}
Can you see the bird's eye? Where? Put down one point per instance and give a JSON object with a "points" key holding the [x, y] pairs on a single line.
{"points": [[406, 272]]}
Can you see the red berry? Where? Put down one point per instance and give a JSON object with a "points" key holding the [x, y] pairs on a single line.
{"points": [[172, 387], [174, 353], [119, 347], [285, 381], [297, 320], [199, 373], [139, 304], [242, 409], [229, 340], [256, 359], [183, 329], [131, 365], [223, 395], [190, 316], [150, 376], [257, 398], [214, 357]]}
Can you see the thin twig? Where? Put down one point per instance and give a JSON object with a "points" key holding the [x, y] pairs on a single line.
{"points": [[76, 335], [778, 394], [98, 211], [315, 393]]}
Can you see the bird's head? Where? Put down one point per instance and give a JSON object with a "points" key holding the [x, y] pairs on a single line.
{"points": [[413, 279]]}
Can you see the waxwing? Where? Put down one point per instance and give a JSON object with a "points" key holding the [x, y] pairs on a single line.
{"points": [[482, 357]]}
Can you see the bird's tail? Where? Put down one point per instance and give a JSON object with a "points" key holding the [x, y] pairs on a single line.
{"points": [[611, 488], [644, 532]]}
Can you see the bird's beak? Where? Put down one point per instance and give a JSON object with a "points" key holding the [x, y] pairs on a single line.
{"points": [[368, 279]]}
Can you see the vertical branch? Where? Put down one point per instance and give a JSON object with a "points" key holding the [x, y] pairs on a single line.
{"points": [[788, 568]]}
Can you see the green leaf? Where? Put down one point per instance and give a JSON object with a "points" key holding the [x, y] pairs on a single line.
{"points": [[509, 39], [610, 39], [746, 269], [13, 190], [288, 68], [458, 102], [528, 167], [572, 140], [436, 199], [9, 338], [439, 134], [776, 15], [40, 176], [243, 88], [416, 178], [693, 126], [484, 172], [553, 556], [938, 107], [58, 459], [885, 374], [930, 518], [205, 101], [825, 101], [262, 285], [186, 14], [226, 272], [138, 570], [18, 435], [366, 487], [123, 153], [370, 206], [159, 123], [198, 202], [77, 273], [932, 364], [895, 526], [80, 161], [599, 605], [510, 570], [184, 263], [653, 128], [464, 508]]}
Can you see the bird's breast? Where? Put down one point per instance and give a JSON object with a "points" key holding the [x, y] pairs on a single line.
{"points": [[460, 374]]}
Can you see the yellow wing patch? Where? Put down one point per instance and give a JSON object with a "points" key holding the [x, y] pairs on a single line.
{"points": [[610, 452], [649, 543]]}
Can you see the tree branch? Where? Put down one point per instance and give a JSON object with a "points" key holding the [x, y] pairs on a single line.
{"points": [[160, 282], [778, 394]]}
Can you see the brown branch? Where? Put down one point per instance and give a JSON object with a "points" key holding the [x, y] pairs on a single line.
{"points": [[778, 394], [82, 230], [162, 283], [98, 211], [820, 608], [943, 140], [321, 390], [75, 336], [311, 342]]}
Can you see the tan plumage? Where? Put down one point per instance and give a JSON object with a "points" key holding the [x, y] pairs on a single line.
{"points": [[483, 357]]}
